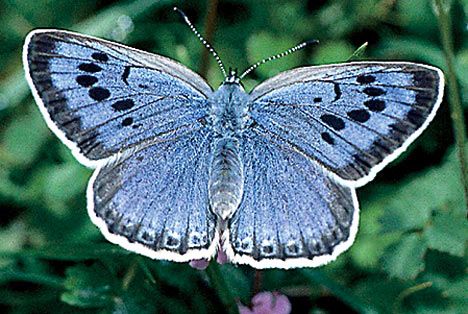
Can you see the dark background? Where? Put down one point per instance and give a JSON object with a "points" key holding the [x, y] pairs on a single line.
{"points": [[409, 255]]}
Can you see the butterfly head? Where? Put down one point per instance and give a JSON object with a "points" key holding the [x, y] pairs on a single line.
{"points": [[232, 77]]}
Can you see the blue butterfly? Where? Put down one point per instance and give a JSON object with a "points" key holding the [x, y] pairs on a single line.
{"points": [[180, 168]]}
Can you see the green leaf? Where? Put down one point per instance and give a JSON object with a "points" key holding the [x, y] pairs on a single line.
{"points": [[13, 237], [410, 206], [369, 249], [63, 183], [219, 283], [448, 233], [236, 281], [405, 259], [88, 286], [23, 139], [369, 244]]}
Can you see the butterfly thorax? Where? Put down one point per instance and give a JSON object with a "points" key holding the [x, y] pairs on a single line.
{"points": [[228, 114], [228, 109]]}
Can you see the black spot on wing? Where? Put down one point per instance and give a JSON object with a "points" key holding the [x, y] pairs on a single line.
{"points": [[359, 115], [334, 122], [100, 56], [127, 121], [365, 79], [86, 80], [123, 105], [337, 89], [327, 138], [99, 93], [89, 67], [374, 91], [317, 99], [375, 105], [125, 74]]}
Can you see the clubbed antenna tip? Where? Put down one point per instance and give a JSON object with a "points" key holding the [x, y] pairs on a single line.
{"points": [[278, 56]]}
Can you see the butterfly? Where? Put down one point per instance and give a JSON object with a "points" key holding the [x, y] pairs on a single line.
{"points": [[181, 168]]}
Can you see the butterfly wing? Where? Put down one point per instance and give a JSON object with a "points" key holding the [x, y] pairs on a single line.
{"points": [[352, 118], [138, 118], [153, 200], [293, 214], [100, 97]]}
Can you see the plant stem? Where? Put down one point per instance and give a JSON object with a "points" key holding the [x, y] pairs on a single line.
{"points": [[130, 274], [442, 10], [210, 25], [219, 285], [258, 278], [407, 292]]}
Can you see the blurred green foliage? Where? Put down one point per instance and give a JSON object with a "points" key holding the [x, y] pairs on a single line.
{"points": [[410, 252]]}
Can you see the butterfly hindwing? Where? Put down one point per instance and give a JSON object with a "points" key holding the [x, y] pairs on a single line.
{"points": [[154, 200], [101, 97], [351, 118], [293, 214]]}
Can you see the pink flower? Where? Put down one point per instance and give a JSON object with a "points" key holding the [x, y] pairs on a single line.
{"points": [[267, 303], [202, 264], [199, 264]]}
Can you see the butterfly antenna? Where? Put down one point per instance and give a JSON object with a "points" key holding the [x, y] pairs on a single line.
{"points": [[278, 56], [202, 40]]}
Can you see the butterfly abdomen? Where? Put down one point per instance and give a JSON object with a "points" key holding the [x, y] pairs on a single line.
{"points": [[226, 183]]}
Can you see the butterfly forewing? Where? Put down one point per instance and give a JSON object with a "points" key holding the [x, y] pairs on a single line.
{"points": [[293, 214], [154, 200], [351, 118], [101, 97]]}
